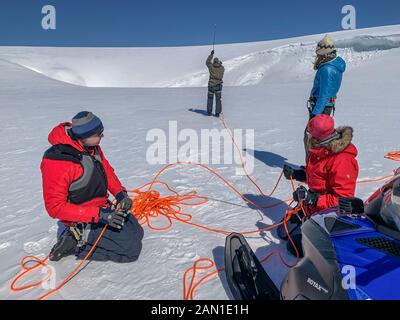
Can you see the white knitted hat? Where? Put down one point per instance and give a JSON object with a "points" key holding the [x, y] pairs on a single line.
{"points": [[325, 46]]}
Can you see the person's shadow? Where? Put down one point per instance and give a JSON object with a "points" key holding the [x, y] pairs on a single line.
{"points": [[272, 208], [199, 111], [219, 259], [271, 159], [275, 210], [270, 260]]}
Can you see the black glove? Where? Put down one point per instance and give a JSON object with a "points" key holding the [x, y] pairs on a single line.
{"points": [[288, 171], [212, 51], [308, 197], [124, 203], [298, 175], [113, 219]]}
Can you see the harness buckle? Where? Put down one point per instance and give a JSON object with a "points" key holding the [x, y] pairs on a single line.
{"points": [[78, 230]]}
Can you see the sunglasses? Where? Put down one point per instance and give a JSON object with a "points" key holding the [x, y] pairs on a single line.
{"points": [[99, 134]]}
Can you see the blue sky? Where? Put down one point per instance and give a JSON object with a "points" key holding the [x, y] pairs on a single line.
{"points": [[180, 22]]}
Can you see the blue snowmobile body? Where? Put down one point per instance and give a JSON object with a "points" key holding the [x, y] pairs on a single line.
{"points": [[347, 255], [373, 256]]}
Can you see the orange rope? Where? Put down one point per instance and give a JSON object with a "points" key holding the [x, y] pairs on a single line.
{"points": [[149, 204], [13, 286], [241, 158], [77, 268], [375, 180], [189, 291], [394, 155], [23, 264]]}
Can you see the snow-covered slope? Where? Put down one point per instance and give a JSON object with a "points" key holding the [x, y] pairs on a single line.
{"points": [[246, 63], [267, 86]]}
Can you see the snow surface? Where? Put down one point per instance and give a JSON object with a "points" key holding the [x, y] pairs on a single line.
{"points": [[266, 86]]}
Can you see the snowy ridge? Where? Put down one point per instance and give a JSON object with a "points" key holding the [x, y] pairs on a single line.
{"points": [[291, 62], [246, 64]]}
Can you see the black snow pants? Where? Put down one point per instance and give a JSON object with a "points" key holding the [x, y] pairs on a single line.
{"points": [[115, 245]]}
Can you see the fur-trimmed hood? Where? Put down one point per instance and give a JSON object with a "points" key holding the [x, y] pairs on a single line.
{"points": [[338, 145]]}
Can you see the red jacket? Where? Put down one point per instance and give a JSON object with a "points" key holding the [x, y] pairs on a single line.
{"points": [[332, 170], [57, 176]]}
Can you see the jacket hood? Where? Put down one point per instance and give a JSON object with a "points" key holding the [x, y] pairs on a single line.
{"points": [[346, 136], [59, 135], [217, 63], [342, 144], [338, 63]]}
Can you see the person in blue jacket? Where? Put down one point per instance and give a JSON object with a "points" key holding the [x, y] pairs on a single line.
{"points": [[330, 68]]}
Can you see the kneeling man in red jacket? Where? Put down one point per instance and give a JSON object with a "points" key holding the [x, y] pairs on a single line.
{"points": [[77, 180]]}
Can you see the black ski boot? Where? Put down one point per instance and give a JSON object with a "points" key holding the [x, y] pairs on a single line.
{"points": [[217, 115], [66, 245]]}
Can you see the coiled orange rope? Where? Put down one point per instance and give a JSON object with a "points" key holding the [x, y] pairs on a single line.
{"points": [[149, 204]]}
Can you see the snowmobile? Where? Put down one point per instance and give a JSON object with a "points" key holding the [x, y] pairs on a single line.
{"points": [[351, 252]]}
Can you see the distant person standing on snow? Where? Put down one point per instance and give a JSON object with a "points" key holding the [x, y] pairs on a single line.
{"points": [[216, 70], [327, 81]]}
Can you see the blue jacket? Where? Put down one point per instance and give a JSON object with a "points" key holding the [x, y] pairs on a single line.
{"points": [[327, 83]]}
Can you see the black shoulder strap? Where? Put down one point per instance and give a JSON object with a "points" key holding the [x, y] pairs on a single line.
{"points": [[63, 152]]}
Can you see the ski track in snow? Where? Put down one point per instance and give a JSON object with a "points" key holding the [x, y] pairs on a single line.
{"points": [[269, 82]]}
